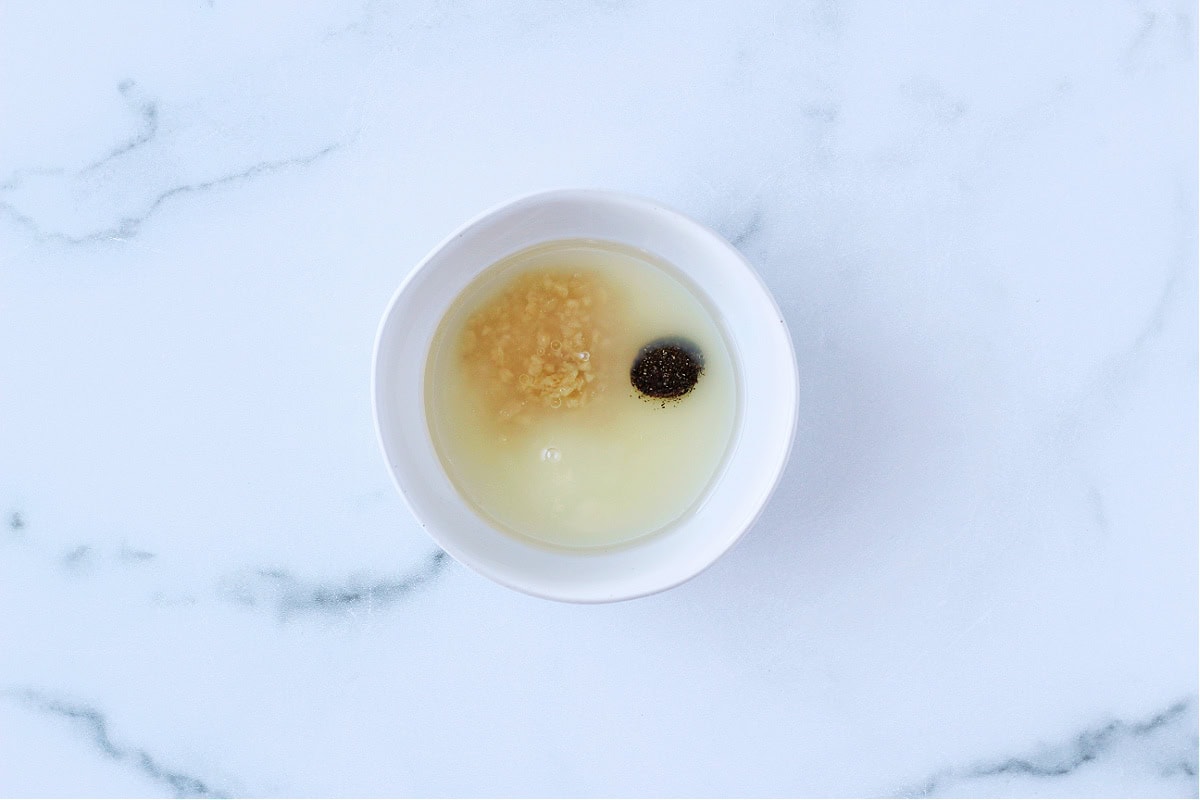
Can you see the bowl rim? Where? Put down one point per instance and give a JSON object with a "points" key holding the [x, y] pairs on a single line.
{"points": [[642, 204]]}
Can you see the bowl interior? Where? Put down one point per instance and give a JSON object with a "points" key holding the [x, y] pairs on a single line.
{"points": [[759, 343]]}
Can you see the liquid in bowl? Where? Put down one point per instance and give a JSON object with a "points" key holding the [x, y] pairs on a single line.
{"points": [[531, 400]]}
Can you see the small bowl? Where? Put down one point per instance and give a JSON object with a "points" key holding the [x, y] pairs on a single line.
{"points": [[761, 439]]}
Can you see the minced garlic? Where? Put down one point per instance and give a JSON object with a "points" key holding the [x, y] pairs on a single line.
{"points": [[534, 344]]}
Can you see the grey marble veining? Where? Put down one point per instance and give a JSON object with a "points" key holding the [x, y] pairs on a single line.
{"points": [[93, 726], [1168, 759]]}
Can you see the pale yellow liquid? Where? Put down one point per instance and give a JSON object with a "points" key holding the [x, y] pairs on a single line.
{"points": [[616, 469]]}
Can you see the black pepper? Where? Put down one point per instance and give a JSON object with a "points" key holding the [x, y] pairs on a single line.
{"points": [[667, 369]]}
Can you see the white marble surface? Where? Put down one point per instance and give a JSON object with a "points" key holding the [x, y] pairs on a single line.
{"points": [[979, 576]]}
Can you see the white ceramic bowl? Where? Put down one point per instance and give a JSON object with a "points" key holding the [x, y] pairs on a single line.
{"points": [[762, 436]]}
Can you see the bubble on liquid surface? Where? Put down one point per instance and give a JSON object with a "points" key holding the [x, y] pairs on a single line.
{"points": [[552, 455]]}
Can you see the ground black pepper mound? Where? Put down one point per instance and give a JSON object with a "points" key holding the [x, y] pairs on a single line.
{"points": [[667, 369]]}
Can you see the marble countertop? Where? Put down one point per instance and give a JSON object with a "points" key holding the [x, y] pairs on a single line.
{"points": [[978, 577]]}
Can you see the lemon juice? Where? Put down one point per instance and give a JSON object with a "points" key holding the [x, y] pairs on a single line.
{"points": [[580, 394]]}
